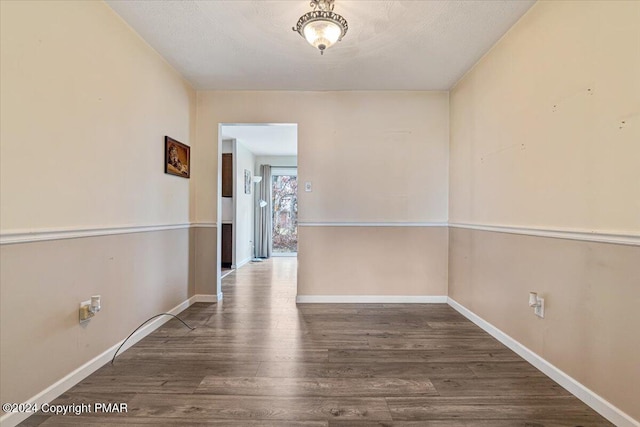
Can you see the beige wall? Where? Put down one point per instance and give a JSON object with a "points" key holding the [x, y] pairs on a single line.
{"points": [[371, 156], [395, 143], [43, 283], [538, 140], [205, 261], [85, 105], [537, 137], [591, 303], [405, 261]]}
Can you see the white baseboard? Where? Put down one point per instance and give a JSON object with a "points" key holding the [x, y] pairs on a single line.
{"points": [[371, 299], [206, 298], [593, 400], [243, 262], [65, 383]]}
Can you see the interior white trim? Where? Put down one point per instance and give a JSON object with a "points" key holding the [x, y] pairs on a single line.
{"points": [[372, 224], [258, 124], [204, 225], [371, 299], [241, 263], [284, 171], [74, 377], [584, 235], [24, 236], [284, 254], [38, 235], [593, 400], [206, 298]]}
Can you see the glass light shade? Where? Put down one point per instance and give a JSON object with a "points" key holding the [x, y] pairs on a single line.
{"points": [[322, 34]]}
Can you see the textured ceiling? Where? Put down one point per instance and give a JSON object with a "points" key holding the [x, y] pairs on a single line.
{"points": [[390, 45], [265, 139]]}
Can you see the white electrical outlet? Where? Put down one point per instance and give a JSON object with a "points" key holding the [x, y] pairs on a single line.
{"points": [[539, 309], [89, 308], [85, 311], [537, 302]]}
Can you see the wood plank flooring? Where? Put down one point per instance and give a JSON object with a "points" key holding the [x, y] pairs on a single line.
{"points": [[257, 359]]}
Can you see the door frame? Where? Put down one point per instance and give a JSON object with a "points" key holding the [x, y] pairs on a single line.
{"points": [[218, 220]]}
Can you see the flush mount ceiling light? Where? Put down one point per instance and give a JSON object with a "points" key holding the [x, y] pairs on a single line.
{"points": [[322, 28]]}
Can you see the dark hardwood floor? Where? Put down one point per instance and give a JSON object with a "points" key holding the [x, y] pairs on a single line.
{"points": [[256, 359]]}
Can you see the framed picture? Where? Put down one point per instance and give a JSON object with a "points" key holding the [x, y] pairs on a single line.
{"points": [[177, 158], [247, 181]]}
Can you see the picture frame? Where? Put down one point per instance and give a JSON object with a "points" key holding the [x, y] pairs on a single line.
{"points": [[177, 158], [247, 181]]}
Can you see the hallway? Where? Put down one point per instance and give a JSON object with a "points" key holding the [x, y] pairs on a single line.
{"points": [[256, 359]]}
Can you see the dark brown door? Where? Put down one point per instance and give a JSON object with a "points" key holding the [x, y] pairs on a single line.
{"points": [[227, 175], [227, 245]]}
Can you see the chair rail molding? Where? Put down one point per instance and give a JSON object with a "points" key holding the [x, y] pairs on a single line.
{"points": [[37, 235], [626, 238], [370, 224], [42, 234]]}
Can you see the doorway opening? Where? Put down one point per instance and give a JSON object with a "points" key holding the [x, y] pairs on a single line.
{"points": [[284, 230], [257, 194]]}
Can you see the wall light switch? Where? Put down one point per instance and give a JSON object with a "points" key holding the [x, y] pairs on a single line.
{"points": [[307, 186]]}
